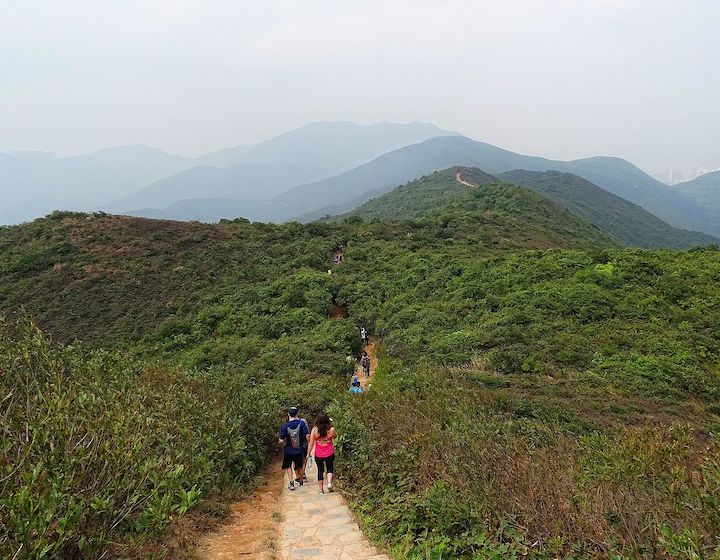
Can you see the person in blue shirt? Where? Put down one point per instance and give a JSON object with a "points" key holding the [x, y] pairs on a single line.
{"points": [[293, 434], [355, 387]]}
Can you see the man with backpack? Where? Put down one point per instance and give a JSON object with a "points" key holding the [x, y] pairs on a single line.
{"points": [[293, 434], [365, 363]]}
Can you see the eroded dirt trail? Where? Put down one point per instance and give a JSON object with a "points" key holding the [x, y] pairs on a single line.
{"points": [[253, 528], [462, 181], [371, 349]]}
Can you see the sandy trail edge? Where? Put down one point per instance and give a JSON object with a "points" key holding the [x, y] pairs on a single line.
{"points": [[252, 529]]}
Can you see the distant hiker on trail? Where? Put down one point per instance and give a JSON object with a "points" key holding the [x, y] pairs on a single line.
{"points": [[321, 443], [292, 434], [365, 363], [355, 387], [364, 336]]}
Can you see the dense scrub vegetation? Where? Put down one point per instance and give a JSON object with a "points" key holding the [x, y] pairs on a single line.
{"points": [[584, 393], [584, 381], [96, 446]]}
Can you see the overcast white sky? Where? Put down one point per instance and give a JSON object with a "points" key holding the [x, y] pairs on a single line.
{"points": [[635, 78]]}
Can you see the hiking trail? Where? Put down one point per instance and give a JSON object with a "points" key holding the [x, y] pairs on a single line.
{"points": [[276, 523], [371, 349], [462, 181]]}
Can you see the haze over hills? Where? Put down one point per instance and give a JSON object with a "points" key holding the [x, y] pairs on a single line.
{"points": [[384, 173], [319, 169], [308, 154], [35, 183], [704, 191], [629, 223]]}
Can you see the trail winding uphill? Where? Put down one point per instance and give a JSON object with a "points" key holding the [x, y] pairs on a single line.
{"points": [[275, 523], [460, 180]]}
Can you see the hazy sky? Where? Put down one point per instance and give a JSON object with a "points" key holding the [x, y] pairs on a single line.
{"points": [[635, 78]]}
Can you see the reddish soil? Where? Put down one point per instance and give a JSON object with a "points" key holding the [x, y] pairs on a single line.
{"points": [[460, 180], [338, 311], [371, 349], [253, 526]]}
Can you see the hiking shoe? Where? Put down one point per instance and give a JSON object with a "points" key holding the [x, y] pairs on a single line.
{"points": [[331, 488], [291, 486]]}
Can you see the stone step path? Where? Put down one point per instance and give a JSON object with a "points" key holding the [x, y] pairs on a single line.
{"points": [[320, 527]]}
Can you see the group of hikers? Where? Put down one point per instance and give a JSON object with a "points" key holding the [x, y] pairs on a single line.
{"points": [[301, 444], [355, 385]]}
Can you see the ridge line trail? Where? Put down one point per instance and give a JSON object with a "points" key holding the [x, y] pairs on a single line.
{"points": [[462, 181], [275, 523]]}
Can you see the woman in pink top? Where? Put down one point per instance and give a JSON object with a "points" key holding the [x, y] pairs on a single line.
{"points": [[321, 442]]}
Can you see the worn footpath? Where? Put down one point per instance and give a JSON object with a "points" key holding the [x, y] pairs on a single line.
{"points": [[320, 527]]}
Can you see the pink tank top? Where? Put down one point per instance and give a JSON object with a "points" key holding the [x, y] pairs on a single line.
{"points": [[324, 450]]}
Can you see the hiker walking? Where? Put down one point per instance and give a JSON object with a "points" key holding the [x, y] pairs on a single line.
{"points": [[321, 444], [364, 336], [365, 363], [292, 434]]}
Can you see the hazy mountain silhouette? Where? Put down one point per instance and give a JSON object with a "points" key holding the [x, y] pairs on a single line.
{"points": [[33, 184], [704, 191], [308, 154], [629, 223], [400, 166]]}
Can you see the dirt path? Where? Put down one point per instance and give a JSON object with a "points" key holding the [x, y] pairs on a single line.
{"points": [[460, 180], [338, 311], [253, 528], [371, 349]]}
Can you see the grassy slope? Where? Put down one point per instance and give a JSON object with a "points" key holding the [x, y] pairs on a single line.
{"points": [[497, 209], [244, 306], [630, 224], [704, 191], [584, 404]]}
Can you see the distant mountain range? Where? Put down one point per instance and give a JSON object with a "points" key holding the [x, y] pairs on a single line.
{"points": [[627, 223], [305, 155], [704, 191], [328, 168], [127, 178], [33, 184], [384, 173]]}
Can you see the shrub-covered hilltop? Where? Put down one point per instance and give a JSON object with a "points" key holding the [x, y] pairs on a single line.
{"points": [[542, 393]]}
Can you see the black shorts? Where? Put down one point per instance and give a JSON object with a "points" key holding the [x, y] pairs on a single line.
{"points": [[289, 459]]}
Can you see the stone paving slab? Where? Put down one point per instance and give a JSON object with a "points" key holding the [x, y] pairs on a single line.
{"points": [[320, 527]]}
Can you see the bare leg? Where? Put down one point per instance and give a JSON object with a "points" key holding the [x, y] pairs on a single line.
{"points": [[290, 475]]}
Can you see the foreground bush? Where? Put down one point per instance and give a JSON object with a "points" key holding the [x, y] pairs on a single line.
{"points": [[480, 479], [95, 449]]}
